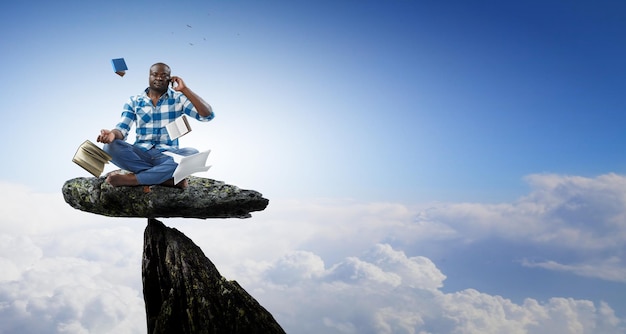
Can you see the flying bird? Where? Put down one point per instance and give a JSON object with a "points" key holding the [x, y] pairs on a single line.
{"points": [[189, 26]]}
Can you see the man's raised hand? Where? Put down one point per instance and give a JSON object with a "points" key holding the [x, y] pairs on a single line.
{"points": [[177, 83], [106, 136]]}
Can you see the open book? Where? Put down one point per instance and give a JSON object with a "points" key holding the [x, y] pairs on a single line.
{"points": [[188, 165], [178, 128], [91, 157]]}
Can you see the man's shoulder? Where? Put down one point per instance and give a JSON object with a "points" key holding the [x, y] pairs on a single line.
{"points": [[172, 94], [139, 97]]}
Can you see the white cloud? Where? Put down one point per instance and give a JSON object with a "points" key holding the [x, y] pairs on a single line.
{"points": [[355, 271], [64, 271], [18, 253], [295, 267], [611, 269], [416, 272], [576, 212], [586, 216], [379, 294], [69, 295]]}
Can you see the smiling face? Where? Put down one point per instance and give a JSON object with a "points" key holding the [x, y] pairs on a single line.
{"points": [[159, 77]]}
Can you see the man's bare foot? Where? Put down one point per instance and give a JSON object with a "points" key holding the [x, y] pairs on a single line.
{"points": [[120, 179], [170, 183]]}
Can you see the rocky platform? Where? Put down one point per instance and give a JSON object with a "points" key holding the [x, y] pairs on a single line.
{"points": [[203, 198]]}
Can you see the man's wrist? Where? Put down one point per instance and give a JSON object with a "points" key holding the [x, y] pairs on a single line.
{"points": [[185, 90]]}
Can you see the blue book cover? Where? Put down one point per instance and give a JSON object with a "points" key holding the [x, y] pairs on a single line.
{"points": [[119, 65]]}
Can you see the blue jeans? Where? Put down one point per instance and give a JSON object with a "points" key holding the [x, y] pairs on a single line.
{"points": [[150, 167]]}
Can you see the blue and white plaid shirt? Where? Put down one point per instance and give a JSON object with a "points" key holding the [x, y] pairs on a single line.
{"points": [[150, 121]]}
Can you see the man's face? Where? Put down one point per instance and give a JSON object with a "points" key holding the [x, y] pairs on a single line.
{"points": [[159, 77]]}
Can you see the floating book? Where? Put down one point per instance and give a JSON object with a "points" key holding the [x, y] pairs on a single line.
{"points": [[178, 128], [188, 165], [91, 157], [119, 66]]}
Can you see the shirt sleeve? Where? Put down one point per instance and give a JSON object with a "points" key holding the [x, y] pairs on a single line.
{"points": [[191, 111], [127, 119]]}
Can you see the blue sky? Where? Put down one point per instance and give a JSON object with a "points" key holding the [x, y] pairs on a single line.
{"points": [[467, 155]]}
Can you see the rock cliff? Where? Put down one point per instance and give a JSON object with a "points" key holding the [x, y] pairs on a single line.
{"points": [[203, 198], [185, 293]]}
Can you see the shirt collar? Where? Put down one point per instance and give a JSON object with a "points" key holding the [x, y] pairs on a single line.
{"points": [[168, 93]]}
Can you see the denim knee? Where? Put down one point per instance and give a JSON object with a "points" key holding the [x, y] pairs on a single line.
{"points": [[186, 151], [114, 146]]}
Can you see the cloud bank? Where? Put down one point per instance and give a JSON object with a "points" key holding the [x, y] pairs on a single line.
{"points": [[331, 266], [384, 291]]}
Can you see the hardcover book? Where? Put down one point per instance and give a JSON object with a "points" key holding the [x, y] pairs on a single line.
{"points": [[119, 66], [91, 157]]}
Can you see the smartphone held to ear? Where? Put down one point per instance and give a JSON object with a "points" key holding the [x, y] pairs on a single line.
{"points": [[175, 82]]}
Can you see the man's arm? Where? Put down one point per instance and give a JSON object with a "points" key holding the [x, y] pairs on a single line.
{"points": [[204, 109], [121, 129]]}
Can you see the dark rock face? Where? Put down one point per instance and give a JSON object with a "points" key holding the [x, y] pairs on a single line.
{"points": [[185, 293], [203, 198]]}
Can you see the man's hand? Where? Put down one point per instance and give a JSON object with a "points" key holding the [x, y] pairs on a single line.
{"points": [[204, 109], [106, 136], [177, 83]]}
